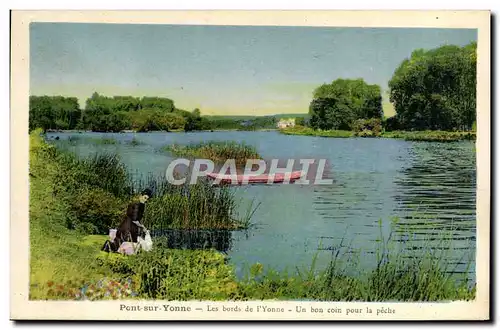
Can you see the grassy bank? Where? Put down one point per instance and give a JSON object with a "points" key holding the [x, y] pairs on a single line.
{"points": [[307, 131], [428, 136], [66, 262], [431, 136], [215, 151]]}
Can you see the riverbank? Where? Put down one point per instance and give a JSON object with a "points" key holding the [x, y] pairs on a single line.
{"points": [[428, 136], [66, 261]]}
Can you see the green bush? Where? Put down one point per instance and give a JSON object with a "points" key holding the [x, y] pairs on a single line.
{"points": [[300, 121], [116, 262], [96, 210], [367, 127], [391, 124]]}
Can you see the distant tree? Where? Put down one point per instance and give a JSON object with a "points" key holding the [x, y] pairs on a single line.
{"points": [[339, 104]]}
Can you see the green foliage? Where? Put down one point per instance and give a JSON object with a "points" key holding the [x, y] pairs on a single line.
{"points": [[308, 131], [95, 190], [367, 127], [119, 113], [431, 136], [194, 122], [337, 105], [240, 123], [436, 89], [107, 114], [159, 103], [116, 262], [427, 136], [391, 124], [95, 210], [53, 112], [218, 151], [151, 119], [300, 121], [183, 274]]}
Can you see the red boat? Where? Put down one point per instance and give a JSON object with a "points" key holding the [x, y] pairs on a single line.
{"points": [[252, 179]]}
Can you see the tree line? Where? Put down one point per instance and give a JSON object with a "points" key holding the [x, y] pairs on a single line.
{"points": [[431, 90], [118, 113], [110, 114]]}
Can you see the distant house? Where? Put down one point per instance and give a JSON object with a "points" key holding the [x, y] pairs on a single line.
{"points": [[284, 123]]}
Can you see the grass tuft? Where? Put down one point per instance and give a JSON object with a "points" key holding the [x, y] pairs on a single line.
{"points": [[216, 151]]}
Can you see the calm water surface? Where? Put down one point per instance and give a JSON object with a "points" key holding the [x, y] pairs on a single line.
{"points": [[430, 187]]}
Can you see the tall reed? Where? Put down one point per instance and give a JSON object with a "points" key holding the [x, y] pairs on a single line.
{"points": [[191, 206], [99, 186], [404, 271]]}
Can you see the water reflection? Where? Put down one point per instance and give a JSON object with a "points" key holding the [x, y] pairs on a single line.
{"points": [[432, 193], [436, 198]]}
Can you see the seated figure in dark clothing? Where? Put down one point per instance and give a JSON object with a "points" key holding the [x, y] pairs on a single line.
{"points": [[130, 228]]}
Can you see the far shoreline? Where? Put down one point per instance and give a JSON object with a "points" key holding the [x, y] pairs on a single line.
{"points": [[422, 136]]}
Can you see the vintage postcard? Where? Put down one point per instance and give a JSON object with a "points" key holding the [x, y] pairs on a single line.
{"points": [[250, 165]]}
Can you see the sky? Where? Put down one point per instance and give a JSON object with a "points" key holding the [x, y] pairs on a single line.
{"points": [[222, 70]]}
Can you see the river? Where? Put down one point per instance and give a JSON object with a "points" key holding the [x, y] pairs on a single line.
{"points": [[430, 187]]}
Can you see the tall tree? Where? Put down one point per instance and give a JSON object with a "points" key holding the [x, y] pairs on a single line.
{"points": [[436, 89], [339, 104]]}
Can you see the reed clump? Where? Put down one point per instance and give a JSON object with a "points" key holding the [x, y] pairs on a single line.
{"points": [[193, 206], [216, 151]]}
